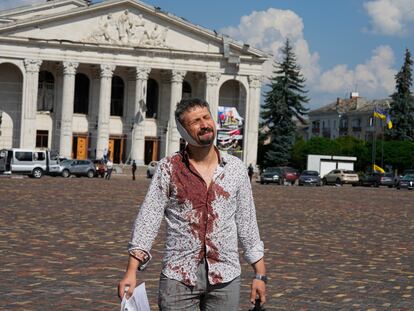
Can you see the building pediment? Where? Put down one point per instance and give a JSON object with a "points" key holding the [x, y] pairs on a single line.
{"points": [[124, 23]]}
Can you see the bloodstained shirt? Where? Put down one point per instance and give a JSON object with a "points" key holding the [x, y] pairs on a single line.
{"points": [[201, 222]]}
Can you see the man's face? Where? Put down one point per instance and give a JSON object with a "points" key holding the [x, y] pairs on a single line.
{"points": [[200, 125]]}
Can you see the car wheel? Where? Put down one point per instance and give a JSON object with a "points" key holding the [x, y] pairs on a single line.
{"points": [[261, 182], [324, 182], [37, 172], [338, 181], [65, 173], [376, 185], [390, 186], [90, 174]]}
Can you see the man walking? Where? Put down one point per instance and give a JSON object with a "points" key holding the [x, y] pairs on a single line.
{"points": [[134, 169], [207, 201], [109, 168]]}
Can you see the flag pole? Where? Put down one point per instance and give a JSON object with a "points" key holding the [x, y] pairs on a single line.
{"points": [[374, 141], [382, 145]]}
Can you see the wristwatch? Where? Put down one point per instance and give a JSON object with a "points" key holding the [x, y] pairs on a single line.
{"points": [[261, 277]]}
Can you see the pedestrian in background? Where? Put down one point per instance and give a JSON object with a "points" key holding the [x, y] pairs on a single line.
{"points": [[109, 168], [134, 169], [250, 171]]}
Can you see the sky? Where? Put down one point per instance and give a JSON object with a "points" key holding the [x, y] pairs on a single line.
{"points": [[342, 46]]}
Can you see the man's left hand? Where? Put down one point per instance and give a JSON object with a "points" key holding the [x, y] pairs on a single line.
{"points": [[258, 290]]}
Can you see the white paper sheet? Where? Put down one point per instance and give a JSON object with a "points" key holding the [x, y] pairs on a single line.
{"points": [[138, 301]]}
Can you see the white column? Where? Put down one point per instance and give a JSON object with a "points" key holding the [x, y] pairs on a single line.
{"points": [[104, 109], [164, 111], [29, 109], [252, 120], [138, 132], [212, 95], [177, 78], [68, 95]]}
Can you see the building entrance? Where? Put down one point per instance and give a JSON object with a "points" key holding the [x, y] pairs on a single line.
{"points": [[80, 146], [151, 149], [116, 149]]}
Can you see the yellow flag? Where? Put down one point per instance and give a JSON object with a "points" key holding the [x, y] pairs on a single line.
{"points": [[376, 168]]}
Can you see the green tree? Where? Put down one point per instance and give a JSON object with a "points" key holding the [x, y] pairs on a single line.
{"points": [[402, 106], [282, 105]]}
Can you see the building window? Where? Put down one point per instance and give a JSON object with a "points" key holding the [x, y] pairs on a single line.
{"points": [[46, 91], [81, 101], [356, 125], [117, 96], [186, 90], [316, 127], [42, 138], [152, 99]]}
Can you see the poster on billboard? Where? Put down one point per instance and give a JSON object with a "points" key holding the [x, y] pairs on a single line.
{"points": [[230, 131]]}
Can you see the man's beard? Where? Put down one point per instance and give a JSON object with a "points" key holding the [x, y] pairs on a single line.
{"points": [[206, 141]]}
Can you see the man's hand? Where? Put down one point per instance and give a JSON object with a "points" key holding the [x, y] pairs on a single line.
{"points": [[258, 290], [130, 281]]}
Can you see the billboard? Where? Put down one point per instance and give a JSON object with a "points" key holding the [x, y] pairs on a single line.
{"points": [[230, 131]]}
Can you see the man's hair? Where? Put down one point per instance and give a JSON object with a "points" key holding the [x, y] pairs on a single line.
{"points": [[187, 104]]}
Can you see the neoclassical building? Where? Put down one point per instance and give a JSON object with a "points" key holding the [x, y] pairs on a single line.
{"points": [[81, 78]]}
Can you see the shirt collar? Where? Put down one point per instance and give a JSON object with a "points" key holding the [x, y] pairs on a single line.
{"points": [[186, 160]]}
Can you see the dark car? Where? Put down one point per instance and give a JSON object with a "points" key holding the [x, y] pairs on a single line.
{"points": [[100, 168], [271, 175], [370, 179], [78, 168], [407, 181], [311, 178]]}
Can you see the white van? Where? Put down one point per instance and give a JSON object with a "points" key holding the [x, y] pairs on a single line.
{"points": [[34, 163]]}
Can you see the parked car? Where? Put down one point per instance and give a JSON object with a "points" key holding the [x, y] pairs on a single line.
{"points": [[151, 167], [288, 174], [388, 179], [370, 179], [271, 175], [309, 178], [34, 163], [340, 177], [407, 181], [398, 177], [100, 168], [78, 168]]}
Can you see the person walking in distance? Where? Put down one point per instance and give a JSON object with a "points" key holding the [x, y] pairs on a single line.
{"points": [[109, 168], [134, 169], [206, 199], [250, 171]]}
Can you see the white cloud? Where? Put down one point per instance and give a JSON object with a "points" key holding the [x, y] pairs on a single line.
{"points": [[375, 78], [10, 4], [390, 17], [268, 30]]}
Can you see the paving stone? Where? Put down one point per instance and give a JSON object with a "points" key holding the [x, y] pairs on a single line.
{"points": [[63, 245]]}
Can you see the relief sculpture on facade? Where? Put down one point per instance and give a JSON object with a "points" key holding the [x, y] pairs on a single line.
{"points": [[128, 29]]}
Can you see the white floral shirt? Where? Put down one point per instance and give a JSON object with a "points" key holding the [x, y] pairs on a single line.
{"points": [[201, 222]]}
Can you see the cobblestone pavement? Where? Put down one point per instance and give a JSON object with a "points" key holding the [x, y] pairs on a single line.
{"points": [[63, 245]]}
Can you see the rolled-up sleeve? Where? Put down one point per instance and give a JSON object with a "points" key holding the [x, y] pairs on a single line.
{"points": [[247, 228], [148, 220]]}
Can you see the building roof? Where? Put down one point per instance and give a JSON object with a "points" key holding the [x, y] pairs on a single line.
{"points": [[22, 22], [351, 105]]}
